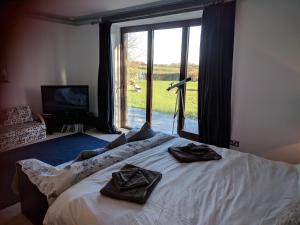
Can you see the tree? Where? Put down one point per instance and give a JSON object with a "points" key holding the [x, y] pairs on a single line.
{"points": [[135, 55], [135, 51]]}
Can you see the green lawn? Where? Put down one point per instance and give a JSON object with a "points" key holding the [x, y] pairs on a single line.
{"points": [[163, 100]]}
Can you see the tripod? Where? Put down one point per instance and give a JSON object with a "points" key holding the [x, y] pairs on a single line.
{"points": [[179, 97]]}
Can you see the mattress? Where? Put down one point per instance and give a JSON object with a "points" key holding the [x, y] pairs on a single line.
{"points": [[240, 189]]}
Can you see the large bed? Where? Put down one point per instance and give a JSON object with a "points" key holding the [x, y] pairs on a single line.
{"points": [[239, 189]]}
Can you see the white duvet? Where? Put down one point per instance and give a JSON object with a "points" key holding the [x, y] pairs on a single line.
{"points": [[240, 189]]}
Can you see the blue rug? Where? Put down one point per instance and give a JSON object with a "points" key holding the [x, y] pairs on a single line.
{"points": [[53, 152]]}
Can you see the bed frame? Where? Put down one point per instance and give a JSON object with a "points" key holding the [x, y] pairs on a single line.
{"points": [[34, 204]]}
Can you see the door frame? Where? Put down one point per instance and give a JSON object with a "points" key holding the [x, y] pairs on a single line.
{"points": [[185, 25]]}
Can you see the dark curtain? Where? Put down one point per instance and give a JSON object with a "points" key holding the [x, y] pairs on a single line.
{"points": [[105, 121], [214, 92]]}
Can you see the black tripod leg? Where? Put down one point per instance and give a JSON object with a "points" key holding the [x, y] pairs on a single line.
{"points": [[183, 108], [175, 111]]}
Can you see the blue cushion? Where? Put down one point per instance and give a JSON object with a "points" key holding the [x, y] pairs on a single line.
{"points": [[121, 140], [144, 133], [86, 154], [131, 133]]}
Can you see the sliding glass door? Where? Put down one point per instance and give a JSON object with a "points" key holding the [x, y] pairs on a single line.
{"points": [[191, 94], [166, 70], [153, 58], [135, 83]]}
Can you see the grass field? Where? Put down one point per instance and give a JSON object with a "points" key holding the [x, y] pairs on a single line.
{"points": [[134, 68], [163, 100]]}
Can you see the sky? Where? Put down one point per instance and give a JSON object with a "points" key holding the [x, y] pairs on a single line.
{"points": [[167, 45]]}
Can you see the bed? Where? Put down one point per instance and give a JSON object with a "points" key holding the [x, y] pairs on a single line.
{"points": [[239, 189]]}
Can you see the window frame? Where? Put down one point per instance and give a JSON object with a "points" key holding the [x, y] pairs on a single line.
{"points": [[150, 28]]}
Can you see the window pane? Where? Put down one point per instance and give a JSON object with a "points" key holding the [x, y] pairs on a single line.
{"points": [[166, 69], [136, 78], [191, 100]]}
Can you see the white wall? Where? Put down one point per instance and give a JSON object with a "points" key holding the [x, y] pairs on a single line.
{"points": [[82, 59], [266, 78], [34, 58], [45, 53]]}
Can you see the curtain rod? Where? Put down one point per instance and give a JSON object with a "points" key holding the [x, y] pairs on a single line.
{"points": [[157, 11]]}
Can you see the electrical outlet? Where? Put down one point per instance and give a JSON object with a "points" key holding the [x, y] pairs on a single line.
{"points": [[235, 143]]}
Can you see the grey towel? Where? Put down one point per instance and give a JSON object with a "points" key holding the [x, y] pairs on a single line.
{"points": [[132, 184], [193, 153], [129, 178]]}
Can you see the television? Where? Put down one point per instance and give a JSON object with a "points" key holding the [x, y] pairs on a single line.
{"points": [[65, 99]]}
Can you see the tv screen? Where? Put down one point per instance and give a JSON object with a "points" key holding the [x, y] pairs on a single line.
{"points": [[59, 99]]}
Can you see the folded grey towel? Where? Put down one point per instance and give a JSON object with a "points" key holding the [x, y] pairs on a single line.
{"points": [[132, 184], [193, 153], [129, 178]]}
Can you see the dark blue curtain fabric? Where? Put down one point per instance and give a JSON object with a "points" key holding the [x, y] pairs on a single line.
{"points": [[214, 108], [105, 121]]}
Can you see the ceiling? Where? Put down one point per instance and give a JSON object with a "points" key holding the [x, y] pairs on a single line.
{"points": [[79, 8], [79, 12]]}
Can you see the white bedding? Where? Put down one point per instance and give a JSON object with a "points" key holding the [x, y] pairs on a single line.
{"points": [[52, 181], [240, 189]]}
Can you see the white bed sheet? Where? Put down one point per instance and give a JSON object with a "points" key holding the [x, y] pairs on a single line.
{"points": [[240, 189]]}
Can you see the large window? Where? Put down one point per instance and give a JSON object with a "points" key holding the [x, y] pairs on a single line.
{"points": [[136, 73], [191, 96], [154, 57], [166, 69]]}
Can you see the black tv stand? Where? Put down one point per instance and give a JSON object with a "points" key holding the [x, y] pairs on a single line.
{"points": [[73, 122], [68, 122]]}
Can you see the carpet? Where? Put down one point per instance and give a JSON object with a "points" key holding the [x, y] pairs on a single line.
{"points": [[54, 152]]}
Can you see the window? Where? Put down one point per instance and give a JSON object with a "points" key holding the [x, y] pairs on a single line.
{"points": [[191, 96], [136, 71], [166, 69], [153, 57]]}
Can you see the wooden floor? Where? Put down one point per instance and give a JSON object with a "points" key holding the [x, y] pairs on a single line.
{"points": [[12, 215]]}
